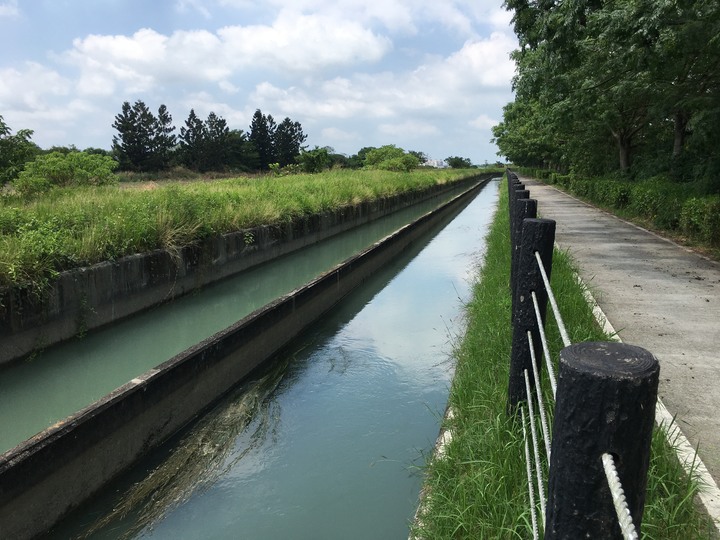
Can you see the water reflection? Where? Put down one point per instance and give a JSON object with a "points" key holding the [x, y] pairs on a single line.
{"points": [[339, 433]]}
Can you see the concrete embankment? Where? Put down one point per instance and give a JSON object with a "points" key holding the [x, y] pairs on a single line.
{"points": [[92, 297], [49, 475]]}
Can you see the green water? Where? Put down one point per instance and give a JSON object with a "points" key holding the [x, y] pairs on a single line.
{"points": [[38, 393], [329, 443]]}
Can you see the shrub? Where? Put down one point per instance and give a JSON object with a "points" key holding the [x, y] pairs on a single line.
{"points": [[700, 218], [58, 169]]}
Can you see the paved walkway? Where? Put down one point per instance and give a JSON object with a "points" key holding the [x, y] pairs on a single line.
{"points": [[657, 295]]}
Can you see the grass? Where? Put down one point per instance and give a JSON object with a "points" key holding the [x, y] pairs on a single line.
{"points": [[478, 487], [73, 227]]}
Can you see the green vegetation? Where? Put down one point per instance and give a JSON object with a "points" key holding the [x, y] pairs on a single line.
{"points": [[676, 208], [57, 169], [72, 227], [478, 488], [391, 158], [629, 87], [15, 150]]}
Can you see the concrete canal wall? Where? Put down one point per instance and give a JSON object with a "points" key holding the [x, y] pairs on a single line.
{"points": [[49, 475], [91, 297]]}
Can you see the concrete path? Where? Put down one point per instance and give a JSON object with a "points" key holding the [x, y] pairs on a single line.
{"points": [[657, 295]]}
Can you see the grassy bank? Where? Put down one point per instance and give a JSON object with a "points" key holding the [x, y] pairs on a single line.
{"points": [[72, 227], [478, 488]]}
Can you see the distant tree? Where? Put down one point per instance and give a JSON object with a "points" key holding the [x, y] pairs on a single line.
{"points": [[135, 145], [217, 143], [97, 151], [15, 151], [164, 139], [457, 162], [422, 157], [314, 161], [262, 135], [391, 158], [192, 142], [242, 153], [288, 139]]}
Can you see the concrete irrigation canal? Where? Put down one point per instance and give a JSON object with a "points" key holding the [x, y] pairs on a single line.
{"points": [[325, 441]]}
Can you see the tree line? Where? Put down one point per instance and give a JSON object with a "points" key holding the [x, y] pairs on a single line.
{"points": [[147, 142], [630, 87]]}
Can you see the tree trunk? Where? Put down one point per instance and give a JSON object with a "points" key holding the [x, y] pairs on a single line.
{"points": [[624, 145], [681, 122]]}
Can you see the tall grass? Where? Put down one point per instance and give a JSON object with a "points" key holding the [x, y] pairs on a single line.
{"points": [[478, 487], [71, 227]]}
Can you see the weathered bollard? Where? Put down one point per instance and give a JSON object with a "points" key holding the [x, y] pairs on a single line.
{"points": [[538, 235], [524, 209], [605, 403]]}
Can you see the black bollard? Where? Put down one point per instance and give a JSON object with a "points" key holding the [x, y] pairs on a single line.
{"points": [[524, 208], [606, 399], [538, 235]]}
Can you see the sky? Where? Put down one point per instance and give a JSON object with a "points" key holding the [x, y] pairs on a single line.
{"points": [[425, 75]]}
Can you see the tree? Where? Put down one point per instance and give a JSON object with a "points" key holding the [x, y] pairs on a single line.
{"points": [[164, 139], [390, 158], [457, 162], [288, 141], [15, 151], [242, 154], [217, 143], [135, 144], [193, 137], [262, 135], [314, 161]]}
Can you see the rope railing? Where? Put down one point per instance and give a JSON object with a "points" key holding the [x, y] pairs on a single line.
{"points": [[585, 369]]}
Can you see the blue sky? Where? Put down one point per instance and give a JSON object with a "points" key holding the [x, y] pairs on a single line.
{"points": [[425, 75]]}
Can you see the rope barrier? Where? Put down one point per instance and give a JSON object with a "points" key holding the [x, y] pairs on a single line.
{"points": [[546, 349], [541, 404], [536, 452], [531, 489], [553, 303], [618, 496]]}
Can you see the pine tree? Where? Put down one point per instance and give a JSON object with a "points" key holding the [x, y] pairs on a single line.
{"points": [[262, 134], [288, 140], [192, 142]]}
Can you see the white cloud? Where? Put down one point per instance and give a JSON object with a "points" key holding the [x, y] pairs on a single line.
{"points": [[483, 122], [148, 59], [31, 87], [339, 135], [408, 129], [9, 9]]}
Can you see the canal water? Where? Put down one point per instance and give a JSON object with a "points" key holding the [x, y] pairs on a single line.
{"points": [[329, 441], [41, 391]]}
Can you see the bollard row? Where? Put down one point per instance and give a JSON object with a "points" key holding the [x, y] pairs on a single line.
{"points": [[605, 395]]}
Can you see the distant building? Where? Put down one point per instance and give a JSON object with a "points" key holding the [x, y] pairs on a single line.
{"points": [[436, 163]]}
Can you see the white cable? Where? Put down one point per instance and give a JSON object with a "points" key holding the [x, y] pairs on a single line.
{"points": [[538, 392], [531, 488], [618, 496], [553, 303], [546, 349], [538, 472]]}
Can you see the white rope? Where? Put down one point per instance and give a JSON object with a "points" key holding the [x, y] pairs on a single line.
{"points": [[618, 495], [538, 472], [553, 303], [531, 488], [538, 392], [546, 349]]}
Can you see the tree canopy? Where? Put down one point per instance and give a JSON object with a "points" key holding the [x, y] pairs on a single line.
{"points": [[621, 85]]}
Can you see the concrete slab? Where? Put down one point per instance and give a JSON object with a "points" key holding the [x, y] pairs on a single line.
{"points": [[658, 295]]}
